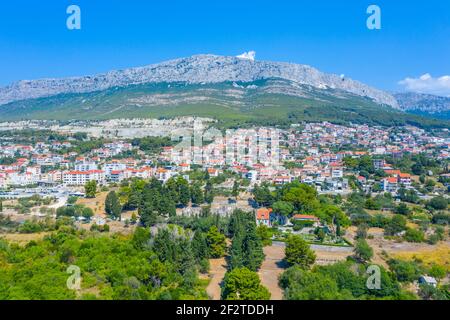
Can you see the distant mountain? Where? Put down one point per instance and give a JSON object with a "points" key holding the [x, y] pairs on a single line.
{"points": [[424, 104], [194, 70], [233, 90]]}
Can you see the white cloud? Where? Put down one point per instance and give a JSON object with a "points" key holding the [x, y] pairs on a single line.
{"points": [[248, 55], [427, 84]]}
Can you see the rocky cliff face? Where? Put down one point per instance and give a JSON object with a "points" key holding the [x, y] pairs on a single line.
{"points": [[426, 103], [194, 70]]}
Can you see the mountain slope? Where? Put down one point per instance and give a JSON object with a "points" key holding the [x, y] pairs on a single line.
{"points": [[193, 70], [270, 101], [424, 104], [231, 89]]}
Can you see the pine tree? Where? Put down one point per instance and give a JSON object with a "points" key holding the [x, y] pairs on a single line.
{"points": [[236, 252], [246, 249], [209, 195], [199, 246], [253, 249], [197, 197], [149, 216], [183, 191]]}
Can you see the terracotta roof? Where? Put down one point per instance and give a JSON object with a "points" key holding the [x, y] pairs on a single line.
{"points": [[263, 214], [304, 217], [392, 180]]}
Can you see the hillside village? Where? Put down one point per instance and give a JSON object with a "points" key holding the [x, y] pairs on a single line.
{"points": [[334, 186]]}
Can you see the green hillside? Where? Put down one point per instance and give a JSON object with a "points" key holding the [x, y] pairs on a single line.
{"points": [[270, 101]]}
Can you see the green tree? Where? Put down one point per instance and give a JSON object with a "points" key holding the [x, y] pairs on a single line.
{"points": [[265, 234], [438, 203], [402, 209], [299, 253], [133, 219], [413, 235], [112, 205], [199, 246], [197, 196], [350, 162], [237, 257], [437, 271], [90, 189], [405, 271], [283, 207], [183, 191], [148, 214], [396, 225], [299, 284], [216, 243], [262, 195], [209, 192], [361, 231], [88, 213], [302, 196], [363, 251], [243, 284]]}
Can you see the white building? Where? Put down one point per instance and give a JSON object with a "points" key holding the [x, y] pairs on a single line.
{"points": [[80, 178]]}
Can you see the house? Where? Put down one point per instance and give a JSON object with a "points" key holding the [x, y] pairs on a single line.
{"points": [[116, 176], [213, 172], [280, 180], [304, 217], [405, 179], [263, 216], [163, 174], [80, 178], [184, 167], [428, 280], [390, 185]]}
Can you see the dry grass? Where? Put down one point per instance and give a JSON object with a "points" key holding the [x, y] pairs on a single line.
{"points": [[23, 239], [97, 204], [439, 254]]}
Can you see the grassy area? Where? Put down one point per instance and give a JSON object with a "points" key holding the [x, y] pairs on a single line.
{"points": [[437, 255]]}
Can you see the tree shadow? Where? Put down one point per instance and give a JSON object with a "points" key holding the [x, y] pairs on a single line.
{"points": [[282, 264]]}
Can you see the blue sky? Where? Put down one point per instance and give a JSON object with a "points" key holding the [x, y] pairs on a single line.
{"points": [[329, 35]]}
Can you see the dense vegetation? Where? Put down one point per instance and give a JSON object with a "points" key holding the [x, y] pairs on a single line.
{"points": [[161, 265]]}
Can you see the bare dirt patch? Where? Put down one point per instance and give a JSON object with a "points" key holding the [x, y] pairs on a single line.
{"points": [[271, 269], [218, 268], [97, 204]]}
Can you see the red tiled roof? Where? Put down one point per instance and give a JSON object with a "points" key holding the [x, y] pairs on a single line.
{"points": [[304, 217], [263, 214]]}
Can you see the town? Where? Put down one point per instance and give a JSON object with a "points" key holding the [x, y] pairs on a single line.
{"points": [[377, 193]]}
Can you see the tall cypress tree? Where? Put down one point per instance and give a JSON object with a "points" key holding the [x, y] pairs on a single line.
{"points": [[247, 248], [199, 246], [236, 252], [253, 249]]}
